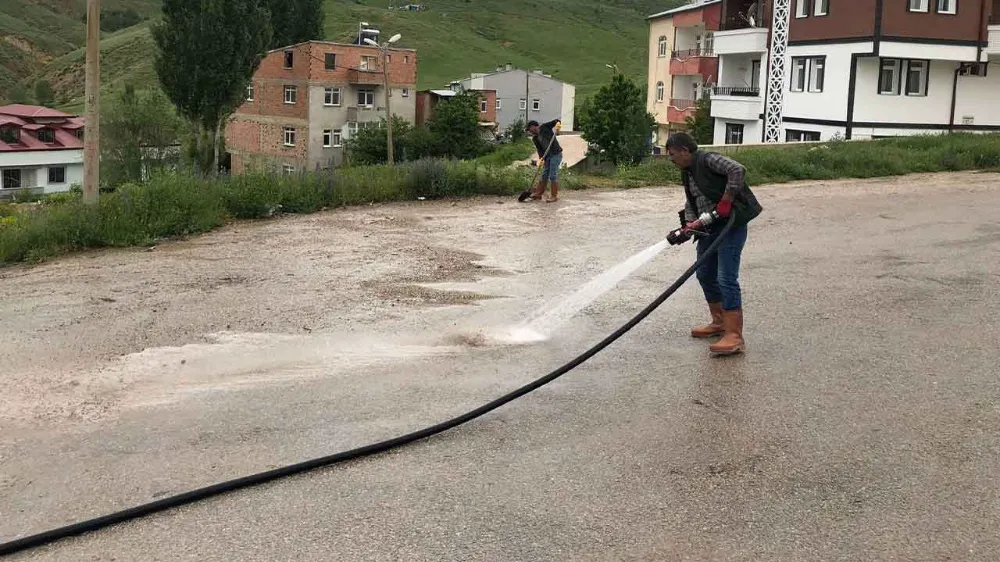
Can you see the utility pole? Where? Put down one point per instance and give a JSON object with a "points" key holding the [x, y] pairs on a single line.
{"points": [[92, 126], [384, 50], [527, 78]]}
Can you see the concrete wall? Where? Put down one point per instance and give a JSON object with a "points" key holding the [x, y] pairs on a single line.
{"points": [[978, 96], [831, 103], [752, 130], [34, 166], [658, 69]]}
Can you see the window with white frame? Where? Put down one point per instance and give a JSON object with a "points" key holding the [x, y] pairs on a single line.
{"points": [[288, 169], [821, 7], [917, 75], [11, 178], [338, 138], [536, 105], [327, 138], [289, 136], [291, 94], [250, 91], [799, 76], [801, 8], [482, 106], [522, 104], [792, 135], [662, 52], [406, 59], [817, 74], [734, 133], [947, 6], [368, 63], [289, 59], [888, 76], [659, 91], [918, 5], [331, 96], [366, 98], [352, 129], [499, 104], [406, 92]]}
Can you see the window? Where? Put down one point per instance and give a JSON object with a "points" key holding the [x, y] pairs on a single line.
{"points": [[289, 59], [499, 105], [916, 77], [406, 92], [918, 5], [250, 91], [10, 135], [327, 138], [338, 138], [821, 7], [888, 77], [368, 63], [330, 60], [522, 104], [808, 74], [388, 58], [47, 135], [57, 174], [352, 129], [366, 98], [289, 136], [792, 135], [288, 169], [482, 106], [406, 59], [659, 91], [817, 74], [536, 105], [734, 133], [798, 75], [11, 179], [291, 94], [801, 8], [331, 96], [947, 6], [662, 47], [755, 74]]}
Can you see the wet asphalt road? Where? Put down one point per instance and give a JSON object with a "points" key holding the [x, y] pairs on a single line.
{"points": [[864, 423]]}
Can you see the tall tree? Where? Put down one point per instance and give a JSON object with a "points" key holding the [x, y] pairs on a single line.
{"points": [[618, 123], [44, 94], [295, 21], [456, 126], [208, 50], [142, 132], [701, 125]]}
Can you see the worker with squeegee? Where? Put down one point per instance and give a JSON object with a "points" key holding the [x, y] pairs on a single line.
{"points": [[549, 157], [714, 188]]}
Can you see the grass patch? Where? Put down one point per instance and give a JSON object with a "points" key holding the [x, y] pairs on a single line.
{"points": [[507, 154], [173, 205]]}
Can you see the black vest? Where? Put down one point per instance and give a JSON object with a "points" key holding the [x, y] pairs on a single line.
{"points": [[713, 186]]}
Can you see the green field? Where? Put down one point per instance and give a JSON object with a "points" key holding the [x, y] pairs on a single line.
{"points": [[570, 39]]}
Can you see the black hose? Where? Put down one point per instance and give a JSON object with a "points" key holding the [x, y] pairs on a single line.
{"points": [[95, 524]]}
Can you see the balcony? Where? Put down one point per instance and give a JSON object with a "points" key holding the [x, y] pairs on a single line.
{"points": [[365, 77], [993, 43], [747, 40], [738, 103], [679, 110], [694, 62]]}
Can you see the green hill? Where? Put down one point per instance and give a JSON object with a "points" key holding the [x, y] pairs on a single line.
{"points": [[571, 39]]}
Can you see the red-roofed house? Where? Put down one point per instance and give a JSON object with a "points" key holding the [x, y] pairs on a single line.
{"points": [[40, 149]]}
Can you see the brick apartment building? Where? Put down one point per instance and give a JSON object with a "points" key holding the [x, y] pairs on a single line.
{"points": [[682, 63], [800, 70], [427, 101], [306, 100]]}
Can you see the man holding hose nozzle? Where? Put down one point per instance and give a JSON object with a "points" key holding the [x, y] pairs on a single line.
{"points": [[715, 188]]}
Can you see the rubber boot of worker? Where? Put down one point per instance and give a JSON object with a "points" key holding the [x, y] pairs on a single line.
{"points": [[553, 192], [540, 190], [732, 340], [715, 328]]}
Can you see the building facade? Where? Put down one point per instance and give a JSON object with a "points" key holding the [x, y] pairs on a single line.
{"points": [[525, 96], [427, 101], [41, 150], [306, 100], [682, 63], [879, 68]]}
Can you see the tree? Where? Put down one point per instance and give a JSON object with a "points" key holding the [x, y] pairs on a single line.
{"points": [[140, 134], [702, 125], [295, 21], [18, 94], [208, 50], [617, 122], [370, 144], [456, 126], [44, 94]]}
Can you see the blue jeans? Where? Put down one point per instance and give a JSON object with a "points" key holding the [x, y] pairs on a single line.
{"points": [[719, 276], [552, 164]]}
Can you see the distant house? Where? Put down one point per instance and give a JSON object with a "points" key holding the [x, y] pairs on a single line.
{"points": [[525, 95], [427, 101], [40, 149], [306, 100]]}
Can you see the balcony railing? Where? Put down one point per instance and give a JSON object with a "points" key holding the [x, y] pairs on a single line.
{"points": [[740, 91], [370, 76], [692, 53], [681, 104]]}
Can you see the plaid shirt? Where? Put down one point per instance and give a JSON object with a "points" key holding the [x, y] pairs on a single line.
{"points": [[733, 170]]}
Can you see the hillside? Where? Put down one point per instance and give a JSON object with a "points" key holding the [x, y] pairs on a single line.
{"points": [[571, 39]]}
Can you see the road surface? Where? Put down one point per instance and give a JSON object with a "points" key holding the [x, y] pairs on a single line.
{"points": [[863, 424]]}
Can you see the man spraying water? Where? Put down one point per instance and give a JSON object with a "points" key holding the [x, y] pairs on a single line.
{"points": [[715, 187]]}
